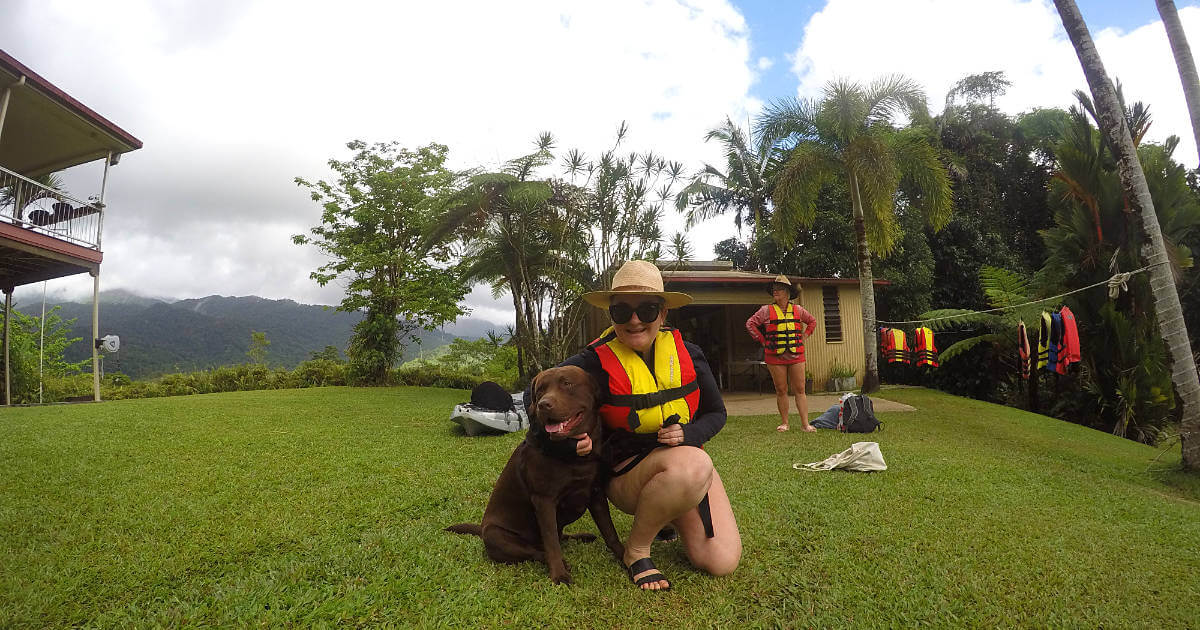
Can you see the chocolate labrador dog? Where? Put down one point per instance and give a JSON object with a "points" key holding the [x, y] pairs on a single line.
{"points": [[540, 492]]}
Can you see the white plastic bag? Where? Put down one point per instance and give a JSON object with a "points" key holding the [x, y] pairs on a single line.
{"points": [[860, 457]]}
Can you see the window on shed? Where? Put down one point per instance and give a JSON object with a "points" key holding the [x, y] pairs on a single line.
{"points": [[833, 314]]}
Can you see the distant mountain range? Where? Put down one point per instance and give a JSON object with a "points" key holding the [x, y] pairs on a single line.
{"points": [[160, 337]]}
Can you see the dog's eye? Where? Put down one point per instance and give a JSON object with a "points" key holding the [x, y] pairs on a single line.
{"points": [[567, 383]]}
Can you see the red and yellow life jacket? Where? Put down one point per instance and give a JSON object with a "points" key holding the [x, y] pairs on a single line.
{"points": [[926, 352], [895, 347], [638, 400], [784, 333]]}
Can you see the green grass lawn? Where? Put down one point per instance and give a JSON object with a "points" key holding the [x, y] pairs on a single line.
{"points": [[324, 507]]}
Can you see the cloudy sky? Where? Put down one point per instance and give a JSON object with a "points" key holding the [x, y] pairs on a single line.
{"points": [[233, 98]]}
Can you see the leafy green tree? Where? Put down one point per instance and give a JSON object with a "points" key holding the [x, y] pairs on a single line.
{"points": [[1000, 175], [848, 135], [258, 348], [329, 353], [744, 187], [26, 331], [373, 223]]}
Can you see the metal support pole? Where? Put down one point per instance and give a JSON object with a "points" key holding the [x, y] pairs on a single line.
{"points": [[95, 334], [7, 366], [103, 186]]}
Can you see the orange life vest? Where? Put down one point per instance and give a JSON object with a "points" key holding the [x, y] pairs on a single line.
{"points": [[641, 401]]}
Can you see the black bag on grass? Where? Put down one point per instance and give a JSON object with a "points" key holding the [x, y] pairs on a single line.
{"points": [[858, 415], [489, 395]]}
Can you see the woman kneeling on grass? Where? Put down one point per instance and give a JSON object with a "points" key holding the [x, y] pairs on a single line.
{"points": [[660, 404], [781, 328]]}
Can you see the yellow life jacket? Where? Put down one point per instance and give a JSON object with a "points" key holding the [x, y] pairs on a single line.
{"points": [[642, 402], [1044, 341]]}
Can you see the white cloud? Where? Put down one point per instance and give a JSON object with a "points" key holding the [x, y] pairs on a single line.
{"points": [[937, 42], [764, 64], [234, 101]]}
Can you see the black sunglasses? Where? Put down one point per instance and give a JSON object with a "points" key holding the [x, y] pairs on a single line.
{"points": [[646, 312]]}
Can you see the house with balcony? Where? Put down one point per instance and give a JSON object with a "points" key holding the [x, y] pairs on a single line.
{"points": [[46, 233]]}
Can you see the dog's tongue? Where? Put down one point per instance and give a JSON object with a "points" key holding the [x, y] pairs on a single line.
{"points": [[564, 426]]}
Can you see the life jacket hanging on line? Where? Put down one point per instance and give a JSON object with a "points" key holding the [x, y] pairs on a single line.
{"points": [[1056, 343], [894, 346], [1023, 350], [1068, 352], [926, 352], [1044, 341]]}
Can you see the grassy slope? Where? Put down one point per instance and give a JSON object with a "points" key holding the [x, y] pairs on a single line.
{"points": [[325, 506]]}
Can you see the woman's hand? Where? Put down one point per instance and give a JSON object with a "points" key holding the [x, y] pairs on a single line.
{"points": [[584, 445], [671, 435]]}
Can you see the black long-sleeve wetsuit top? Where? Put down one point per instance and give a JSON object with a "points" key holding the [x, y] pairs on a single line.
{"points": [[708, 420]]}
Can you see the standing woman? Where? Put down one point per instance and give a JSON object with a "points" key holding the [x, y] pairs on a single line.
{"points": [[781, 328]]}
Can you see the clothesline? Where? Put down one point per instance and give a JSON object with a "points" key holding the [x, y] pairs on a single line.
{"points": [[1115, 284]]}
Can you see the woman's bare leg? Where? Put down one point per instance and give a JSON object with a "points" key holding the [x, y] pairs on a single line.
{"points": [[665, 485], [779, 377], [720, 554], [796, 376]]}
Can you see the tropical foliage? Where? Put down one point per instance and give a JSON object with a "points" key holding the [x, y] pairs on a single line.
{"points": [[547, 240], [743, 187], [36, 354], [849, 135]]}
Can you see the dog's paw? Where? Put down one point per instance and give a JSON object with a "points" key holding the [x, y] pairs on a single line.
{"points": [[564, 578]]}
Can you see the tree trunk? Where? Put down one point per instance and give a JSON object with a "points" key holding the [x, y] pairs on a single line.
{"points": [[1185, 63], [866, 289], [1133, 181]]}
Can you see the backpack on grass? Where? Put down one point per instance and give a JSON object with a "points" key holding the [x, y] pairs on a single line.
{"points": [[858, 415]]}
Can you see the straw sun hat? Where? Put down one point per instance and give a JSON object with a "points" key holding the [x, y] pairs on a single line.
{"points": [[784, 280], [637, 277]]}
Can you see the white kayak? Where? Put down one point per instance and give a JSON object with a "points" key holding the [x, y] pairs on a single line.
{"points": [[478, 420]]}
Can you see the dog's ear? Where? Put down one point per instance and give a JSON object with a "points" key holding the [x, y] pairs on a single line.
{"points": [[594, 385], [533, 391]]}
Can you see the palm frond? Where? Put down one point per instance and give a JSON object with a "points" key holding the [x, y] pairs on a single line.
{"points": [[957, 349], [953, 318], [920, 165]]}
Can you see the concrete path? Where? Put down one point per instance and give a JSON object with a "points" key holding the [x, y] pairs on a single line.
{"points": [[756, 404]]}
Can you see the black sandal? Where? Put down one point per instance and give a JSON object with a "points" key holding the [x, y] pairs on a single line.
{"points": [[646, 564], [667, 534]]}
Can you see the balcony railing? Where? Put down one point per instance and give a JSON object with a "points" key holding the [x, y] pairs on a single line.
{"points": [[44, 210]]}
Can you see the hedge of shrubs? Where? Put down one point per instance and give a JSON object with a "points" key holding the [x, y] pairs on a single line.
{"points": [[251, 376]]}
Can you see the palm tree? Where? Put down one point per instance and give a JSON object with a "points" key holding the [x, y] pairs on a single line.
{"points": [[743, 187], [1183, 59], [519, 236], [1133, 181], [849, 134]]}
